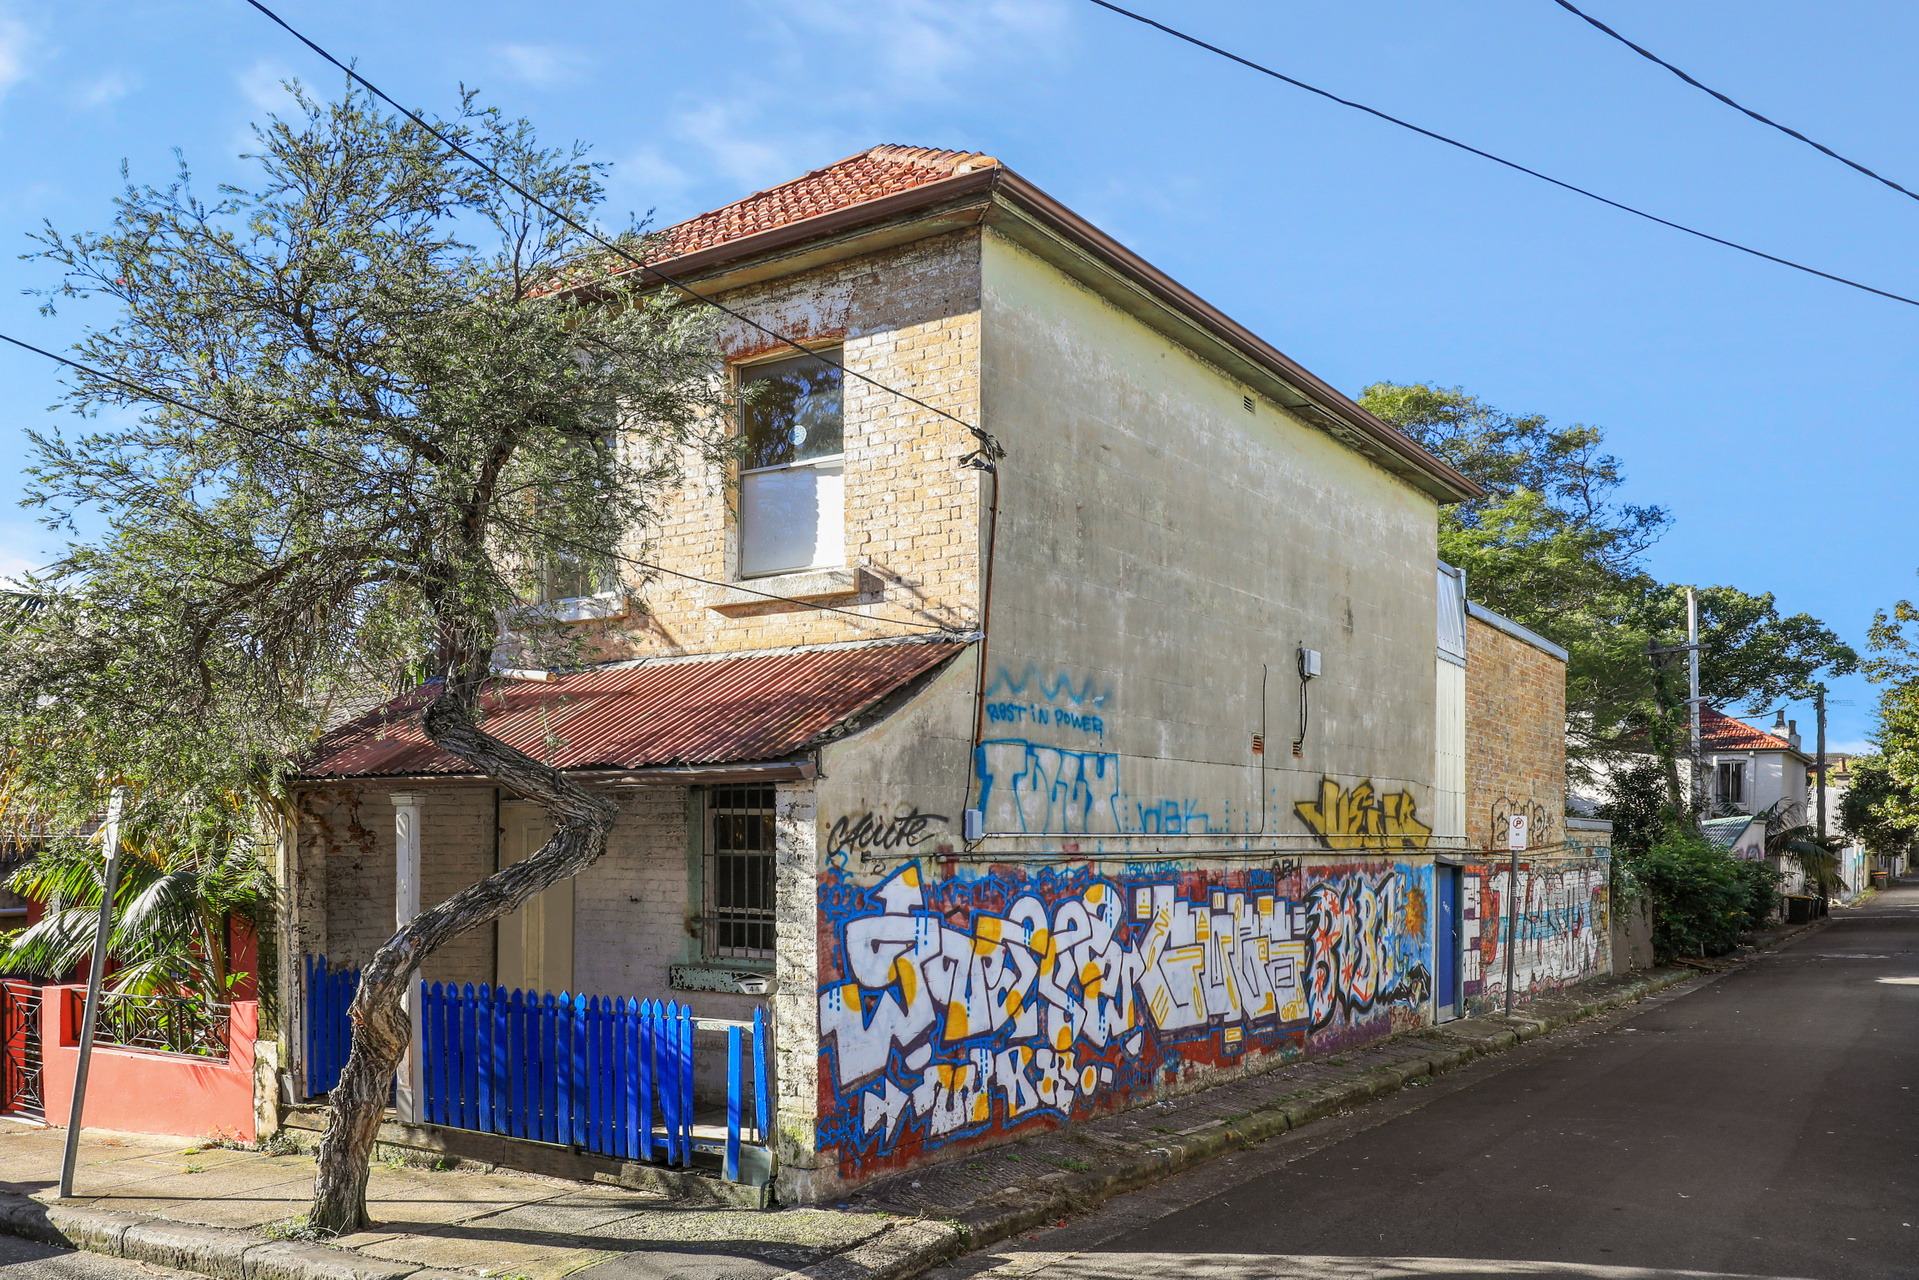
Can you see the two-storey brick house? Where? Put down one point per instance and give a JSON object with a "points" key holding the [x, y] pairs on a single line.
{"points": [[1009, 793]]}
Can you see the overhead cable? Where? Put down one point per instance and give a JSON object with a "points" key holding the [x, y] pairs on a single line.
{"points": [[1648, 54], [989, 448], [1499, 160], [347, 464]]}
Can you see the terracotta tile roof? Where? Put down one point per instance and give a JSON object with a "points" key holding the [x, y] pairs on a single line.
{"points": [[879, 171], [1720, 732], [755, 707]]}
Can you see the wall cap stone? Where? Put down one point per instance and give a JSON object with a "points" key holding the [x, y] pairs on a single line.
{"points": [[1501, 622]]}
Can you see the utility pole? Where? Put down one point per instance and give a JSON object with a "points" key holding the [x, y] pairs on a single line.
{"points": [[1819, 710], [1692, 694]]}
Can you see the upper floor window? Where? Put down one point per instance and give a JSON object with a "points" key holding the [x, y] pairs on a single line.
{"points": [[792, 482], [1732, 783], [571, 576]]}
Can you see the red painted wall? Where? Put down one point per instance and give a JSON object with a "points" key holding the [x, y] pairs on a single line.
{"points": [[139, 1091]]}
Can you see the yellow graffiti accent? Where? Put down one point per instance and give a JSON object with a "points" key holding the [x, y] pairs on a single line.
{"points": [[908, 977], [1360, 818]]}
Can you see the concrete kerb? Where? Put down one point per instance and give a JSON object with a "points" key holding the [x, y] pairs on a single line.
{"points": [[910, 1245], [186, 1246]]}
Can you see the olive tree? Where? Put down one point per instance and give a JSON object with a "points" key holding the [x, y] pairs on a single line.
{"points": [[344, 419]]}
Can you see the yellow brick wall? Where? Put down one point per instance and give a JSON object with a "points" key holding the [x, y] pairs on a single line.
{"points": [[908, 317], [1515, 738]]}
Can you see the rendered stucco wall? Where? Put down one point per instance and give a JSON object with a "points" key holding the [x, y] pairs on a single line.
{"points": [[1163, 553]]}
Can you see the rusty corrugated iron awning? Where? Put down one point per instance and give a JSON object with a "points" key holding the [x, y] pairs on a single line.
{"points": [[723, 711]]}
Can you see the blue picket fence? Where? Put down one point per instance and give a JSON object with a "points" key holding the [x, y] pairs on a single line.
{"points": [[607, 1074], [329, 1035]]}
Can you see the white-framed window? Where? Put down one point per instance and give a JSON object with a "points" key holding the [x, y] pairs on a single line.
{"points": [[573, 577], [792, 474], [1732, 783]]}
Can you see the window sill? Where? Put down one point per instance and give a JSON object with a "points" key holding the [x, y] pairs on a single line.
{"points": [[807, 584], [733, 979], [607, 604]]}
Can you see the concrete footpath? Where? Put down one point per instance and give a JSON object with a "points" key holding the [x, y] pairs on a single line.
{"points": [[235, 1214]]}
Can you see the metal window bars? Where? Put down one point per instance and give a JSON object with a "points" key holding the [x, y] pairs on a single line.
{"points": [[170, 1024], [739, 912]]}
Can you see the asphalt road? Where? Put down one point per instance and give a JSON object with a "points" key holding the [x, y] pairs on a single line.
{"points": [[1761, 1123]]}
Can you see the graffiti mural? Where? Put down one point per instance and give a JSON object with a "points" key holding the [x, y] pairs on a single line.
{"points": [[1560, 925], [1540, 822], [971, 1006], [1025, 786], [1358, 817], [870, 832]]}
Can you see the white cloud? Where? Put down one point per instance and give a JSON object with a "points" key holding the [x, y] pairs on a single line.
{"points": [[735, 143], [264, 85], [24, 547], [541, 65], [859, 65], [921, 46], [15, 44], [103, 90]]}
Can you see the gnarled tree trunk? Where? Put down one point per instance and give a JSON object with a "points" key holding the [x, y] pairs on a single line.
{"points": [[381, 1028]]}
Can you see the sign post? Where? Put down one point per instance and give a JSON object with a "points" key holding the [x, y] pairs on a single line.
{"points": [[1517, 830], [109, 881]]}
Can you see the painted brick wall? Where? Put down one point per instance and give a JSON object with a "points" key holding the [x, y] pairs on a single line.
{"points": [[346, 850], [630, 908], [1515, 737], [908, 317]]}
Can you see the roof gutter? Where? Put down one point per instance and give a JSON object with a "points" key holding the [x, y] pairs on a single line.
{"points": [[661, 776]]}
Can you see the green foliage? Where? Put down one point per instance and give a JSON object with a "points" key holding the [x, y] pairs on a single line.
{"points": [[1886, 811], [182, 878], [1636, 805], [417, 416], [1702, 897], [1551, 547], [1878, 810]]}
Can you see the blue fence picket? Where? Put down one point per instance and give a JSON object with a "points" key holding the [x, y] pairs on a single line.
{"points": [[686, 1078], [762, 1105], [328, 1033], [608, 1074], [733, 1086], [649, 1073]]}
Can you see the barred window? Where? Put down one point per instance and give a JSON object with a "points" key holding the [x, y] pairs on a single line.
{"points": [[739, 873]]}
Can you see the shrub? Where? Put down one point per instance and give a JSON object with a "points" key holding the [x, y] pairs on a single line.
{"points": [[1759, 882], [1702, 898]]}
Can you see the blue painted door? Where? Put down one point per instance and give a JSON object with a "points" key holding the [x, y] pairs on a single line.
{"points": [[1446, 943]]}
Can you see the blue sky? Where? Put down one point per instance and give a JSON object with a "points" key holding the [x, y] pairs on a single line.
{"points": [[1760, 405]]}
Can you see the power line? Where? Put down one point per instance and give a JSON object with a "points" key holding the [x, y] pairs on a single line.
{"points": [[1648, 54], [1500, 160], [348, 464], [989, 448]]}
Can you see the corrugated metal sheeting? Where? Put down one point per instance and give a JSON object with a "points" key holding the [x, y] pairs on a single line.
{"points": [[724, 711]]}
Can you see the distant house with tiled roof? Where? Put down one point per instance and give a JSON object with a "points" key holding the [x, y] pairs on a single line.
{"points": [[1006, 790], [1748, 770]]}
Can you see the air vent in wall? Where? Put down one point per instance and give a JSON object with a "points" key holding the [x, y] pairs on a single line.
{"points": [[1248, 402]]}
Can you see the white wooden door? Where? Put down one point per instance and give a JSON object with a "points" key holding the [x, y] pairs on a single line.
{"points": [[536, 942]]}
